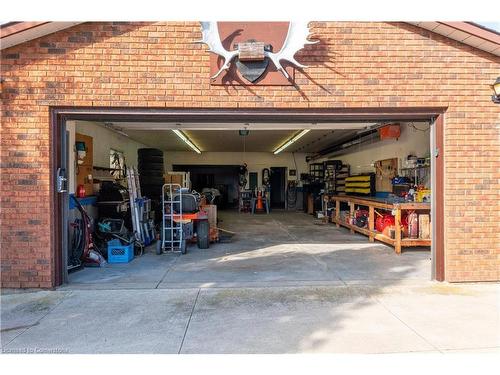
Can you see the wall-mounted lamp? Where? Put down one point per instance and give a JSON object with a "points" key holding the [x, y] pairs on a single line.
{"points": [[182, 136], [496, 89]]}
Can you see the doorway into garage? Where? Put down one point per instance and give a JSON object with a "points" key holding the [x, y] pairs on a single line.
{"points": [[291, 182]]}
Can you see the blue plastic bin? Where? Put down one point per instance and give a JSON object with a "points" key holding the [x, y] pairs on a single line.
{"points": [[118, 253]]}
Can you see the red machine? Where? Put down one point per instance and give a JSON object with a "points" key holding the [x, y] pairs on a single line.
{"points": [[385, 222], [87, 250], [184, 219]]}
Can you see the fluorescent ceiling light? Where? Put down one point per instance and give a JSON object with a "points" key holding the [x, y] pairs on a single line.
{"points": [[182, 136], [116, 129], [291, 140]]}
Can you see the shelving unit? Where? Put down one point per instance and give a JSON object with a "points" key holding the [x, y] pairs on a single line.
{"points": [[329, 169], [340, 177], [419, 173], [335, 178], [316, 172]]}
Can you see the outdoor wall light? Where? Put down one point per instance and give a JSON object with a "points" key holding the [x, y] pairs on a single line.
{"points": [[496, 89]]}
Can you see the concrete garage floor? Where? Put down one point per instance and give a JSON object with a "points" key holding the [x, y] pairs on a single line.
{"points": [[280, 249], [285, 285]]}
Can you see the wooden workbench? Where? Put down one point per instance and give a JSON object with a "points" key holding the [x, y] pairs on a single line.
{"points": [[373, 203]]}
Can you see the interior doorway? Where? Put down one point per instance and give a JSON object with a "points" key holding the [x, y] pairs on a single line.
{"points": [[278, 183]]}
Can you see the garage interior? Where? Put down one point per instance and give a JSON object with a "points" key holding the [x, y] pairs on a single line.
{"points": [[298, 202]]}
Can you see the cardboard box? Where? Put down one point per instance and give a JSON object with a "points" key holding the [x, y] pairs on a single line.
{"points": [[424, 226], [211, 210], [173, 179]]}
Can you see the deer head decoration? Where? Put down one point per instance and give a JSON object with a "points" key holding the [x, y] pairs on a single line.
{"points": [[295, 40]]}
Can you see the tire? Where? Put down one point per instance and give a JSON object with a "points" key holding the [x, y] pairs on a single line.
{"points": [[152, 187], [154, 180], [153, 194], [203, 234], [151, 173], [150, 166], [148, 152], [150, 159], [184, 247]]}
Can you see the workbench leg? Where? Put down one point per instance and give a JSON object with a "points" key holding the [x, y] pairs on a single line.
{"points": [[337, 213], [397, 243], [351, 214], [371, 222]]}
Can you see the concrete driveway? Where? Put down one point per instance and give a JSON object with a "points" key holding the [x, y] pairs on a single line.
{"points": [[335, 319], [286, 284]]}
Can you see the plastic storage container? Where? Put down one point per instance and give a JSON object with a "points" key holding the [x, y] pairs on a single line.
{"points": [[118, 253], [389, 131]]}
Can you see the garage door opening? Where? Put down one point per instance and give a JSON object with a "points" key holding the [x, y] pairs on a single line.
{"points": [[337, 218]]}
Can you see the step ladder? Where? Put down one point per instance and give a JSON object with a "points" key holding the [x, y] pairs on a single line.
{"points": [[140, 208]]}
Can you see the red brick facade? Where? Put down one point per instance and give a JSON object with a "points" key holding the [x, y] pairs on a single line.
{"points": [[156, 65]]}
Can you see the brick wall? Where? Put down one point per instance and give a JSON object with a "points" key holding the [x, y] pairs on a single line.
{"points": [[155, 64]]}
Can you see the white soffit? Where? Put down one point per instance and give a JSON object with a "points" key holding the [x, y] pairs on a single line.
{"points": [[460, 36], [34, 32]]}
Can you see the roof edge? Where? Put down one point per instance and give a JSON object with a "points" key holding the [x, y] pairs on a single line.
{"points": [[15, 33], [11, 28], [475, 30]]}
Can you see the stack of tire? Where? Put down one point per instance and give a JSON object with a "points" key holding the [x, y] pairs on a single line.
{"points": [[150, 168]]}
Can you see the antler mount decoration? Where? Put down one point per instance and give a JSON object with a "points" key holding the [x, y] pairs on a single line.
{"points": [[252, 56]]}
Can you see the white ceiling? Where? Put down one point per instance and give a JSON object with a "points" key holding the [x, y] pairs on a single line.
{"points": [[160, 135], [231, 141], [262, 137]]}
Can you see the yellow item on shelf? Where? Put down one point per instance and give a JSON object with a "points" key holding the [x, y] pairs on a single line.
{"points": [[358, 190], [423, 195], [366, 178], [359, 184]]}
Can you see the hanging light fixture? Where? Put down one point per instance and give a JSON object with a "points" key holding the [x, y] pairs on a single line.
{"points": [[182, 136], [291, 140], [496, 89]]}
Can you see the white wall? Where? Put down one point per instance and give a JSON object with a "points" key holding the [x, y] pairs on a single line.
{"points": [[256, 161], [103, 140], [411, 141]]}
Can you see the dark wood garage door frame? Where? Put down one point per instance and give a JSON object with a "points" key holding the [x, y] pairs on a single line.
{"points": [[59, 116]]}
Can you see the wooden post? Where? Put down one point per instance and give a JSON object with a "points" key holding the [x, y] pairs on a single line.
{"points": [[371, 222], [337, 212], [351, 213], [397, 242]]}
